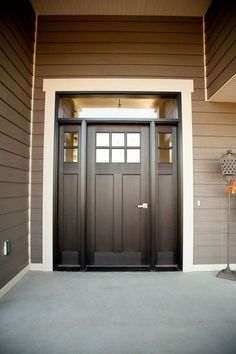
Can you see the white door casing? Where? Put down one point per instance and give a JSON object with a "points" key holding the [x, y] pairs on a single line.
{"points": [[184, 87]]}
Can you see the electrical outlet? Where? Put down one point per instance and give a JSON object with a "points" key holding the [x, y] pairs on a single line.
{"points": [[6, 247], [198, 203]]}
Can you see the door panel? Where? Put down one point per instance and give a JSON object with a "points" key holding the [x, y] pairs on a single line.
{"points": [[117, 230], [104, 212], [131, 221], [70, 212]]}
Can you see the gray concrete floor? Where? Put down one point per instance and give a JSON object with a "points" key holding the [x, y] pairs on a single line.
{"points": [[119, 313]]}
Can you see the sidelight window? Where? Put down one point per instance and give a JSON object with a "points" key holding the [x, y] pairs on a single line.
{"points": [[165, 147], [71, 147]]}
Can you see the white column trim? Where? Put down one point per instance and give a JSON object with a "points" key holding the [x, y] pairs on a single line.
{"points": [[51, 86], [187, 181], [48, 158]]}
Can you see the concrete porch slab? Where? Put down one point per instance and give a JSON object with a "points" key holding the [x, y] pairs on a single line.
{"points": [[119, 313]]}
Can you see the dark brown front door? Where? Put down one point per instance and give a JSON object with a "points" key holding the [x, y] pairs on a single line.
{"points": [[117, 195], [105, 190]]}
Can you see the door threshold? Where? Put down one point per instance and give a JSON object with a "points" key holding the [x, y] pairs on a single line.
{"points": [[68, 268], [112, 268], [96, 268], [167, 268]]}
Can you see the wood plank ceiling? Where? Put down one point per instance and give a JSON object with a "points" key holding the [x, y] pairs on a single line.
{"points": [[122, 7]]}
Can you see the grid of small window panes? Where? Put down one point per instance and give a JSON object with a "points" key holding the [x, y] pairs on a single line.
{"points": [[118, 147], [71, 147], [165, 148]]}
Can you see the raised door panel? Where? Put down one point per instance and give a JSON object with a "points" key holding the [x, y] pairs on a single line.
{"points": [[104, 213], [131, 213], [70, 212]]}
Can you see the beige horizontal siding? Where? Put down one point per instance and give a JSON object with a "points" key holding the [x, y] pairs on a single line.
{"points": [[214, 215], [14, 131], [214, 118], [12, 190], [220, 34], [13, 175], [18, 43], [214, 130], [37, 177], [120, 48], [215, 202], [228, 72], [10, 205], [140, 47], [13, 219], [119, 70], [9, 159], [119, 18], [120, 59], [117, 37], [16, 57], [207, 153], [214, 142], [12, 145], [13, 116], [116, 24], [36, 215]]}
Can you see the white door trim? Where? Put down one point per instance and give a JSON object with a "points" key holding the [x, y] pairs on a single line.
{"points": [[185, 87]]}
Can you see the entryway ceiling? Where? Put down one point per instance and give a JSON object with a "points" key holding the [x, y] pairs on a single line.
{"points": [[122, 7]]}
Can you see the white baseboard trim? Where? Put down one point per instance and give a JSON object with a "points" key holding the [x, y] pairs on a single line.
{"points": [[211, 267], [14, 280], [36, 266]]}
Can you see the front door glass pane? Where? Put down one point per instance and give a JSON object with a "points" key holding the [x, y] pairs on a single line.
{"points": [[133, 139], [118, 139], [102, 155], [133, 155], [118, 155], [102, 139]]}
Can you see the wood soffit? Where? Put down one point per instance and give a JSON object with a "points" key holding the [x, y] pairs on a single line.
{"points": [[122, 7]]}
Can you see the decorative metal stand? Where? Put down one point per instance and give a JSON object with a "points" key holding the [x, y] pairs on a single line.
{"points": [[228, 167]]}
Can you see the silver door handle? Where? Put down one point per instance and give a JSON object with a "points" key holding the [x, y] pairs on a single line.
{"points": [[144, 205]]}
